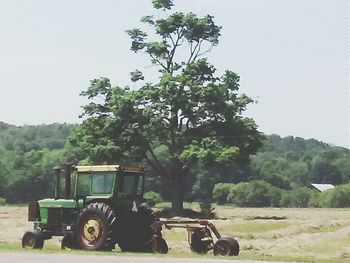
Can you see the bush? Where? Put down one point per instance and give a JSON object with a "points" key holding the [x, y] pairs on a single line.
{"points": [[316, 199], [339, 196], [221, 191], [275, 195], [152, 198], [286, 199], [206, 209], [2, 201], [253, 194], [299, 197]]}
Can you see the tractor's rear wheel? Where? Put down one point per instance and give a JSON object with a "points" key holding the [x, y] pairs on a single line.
{"points": [[136, 233], [95, 227], [226, 246], [33, 239]]}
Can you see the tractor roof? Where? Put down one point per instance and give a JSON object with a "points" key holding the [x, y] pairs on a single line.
{"points": [[108, 168]]}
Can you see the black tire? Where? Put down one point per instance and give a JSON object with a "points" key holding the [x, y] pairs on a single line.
{"points": [[136, 232], [33, 240], [68, 242], [159, 246], [226, 246], [95, 227]]}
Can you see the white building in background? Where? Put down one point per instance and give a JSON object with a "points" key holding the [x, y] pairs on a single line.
{"points": [[323, 187]]}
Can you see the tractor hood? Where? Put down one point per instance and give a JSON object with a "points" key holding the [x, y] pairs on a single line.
{"points": [[57, 203]]}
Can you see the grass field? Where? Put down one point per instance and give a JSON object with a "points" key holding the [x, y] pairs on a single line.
{"points": [[303, 235]]}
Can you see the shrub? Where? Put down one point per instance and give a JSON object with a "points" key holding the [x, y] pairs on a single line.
{"points": [[286, 199], [2, 201], [152, 198], [300, 197], [339, 196], [221, 192], [206, 209], [275, 195], [316, 199], [253, 194]]}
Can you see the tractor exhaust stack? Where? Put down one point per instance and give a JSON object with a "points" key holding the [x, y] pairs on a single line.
{"points": [[67, 180]]}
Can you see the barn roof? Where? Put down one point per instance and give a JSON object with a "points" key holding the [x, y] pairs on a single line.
{"points": [[323, 187]]}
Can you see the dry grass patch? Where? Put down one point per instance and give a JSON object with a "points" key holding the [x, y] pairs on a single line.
{"points": [[304, 235]]}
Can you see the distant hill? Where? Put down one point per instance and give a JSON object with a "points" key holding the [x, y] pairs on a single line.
{"points": [[293, 161], [30, 137], [4, 126]]}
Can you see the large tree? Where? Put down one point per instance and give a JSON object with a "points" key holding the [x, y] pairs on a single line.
{"points": [[191, 111]]}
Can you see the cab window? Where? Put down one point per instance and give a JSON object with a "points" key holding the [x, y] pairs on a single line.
{"points": [[102, 183], [83, 187], [129, 183]]}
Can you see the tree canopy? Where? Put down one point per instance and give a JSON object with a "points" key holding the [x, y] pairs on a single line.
{"points": [[193, 112]]}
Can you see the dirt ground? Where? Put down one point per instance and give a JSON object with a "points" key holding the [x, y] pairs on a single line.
{"points": [[311, 235]]}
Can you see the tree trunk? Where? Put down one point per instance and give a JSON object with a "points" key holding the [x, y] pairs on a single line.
{"points": [[177, 195]]}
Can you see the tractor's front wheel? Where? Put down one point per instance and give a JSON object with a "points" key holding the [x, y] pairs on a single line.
{"points": [[68, 242], [95, 227], [33, 239], [159, 245]]}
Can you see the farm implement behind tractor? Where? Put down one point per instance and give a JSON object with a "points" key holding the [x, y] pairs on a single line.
{"points": [[199, 237], [99, 207]]}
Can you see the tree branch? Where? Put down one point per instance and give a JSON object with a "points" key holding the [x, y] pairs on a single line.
{"points": [[193, 51], [158, 61], [172, 53], [157, 163]]}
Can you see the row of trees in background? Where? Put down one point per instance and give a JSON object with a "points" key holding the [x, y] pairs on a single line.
{"points": [[278, 175], [27, 157], [259, 193]]}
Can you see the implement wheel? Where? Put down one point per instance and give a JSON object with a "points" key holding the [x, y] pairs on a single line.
{"points": [[160, 246], [226, 246], [95, 227], [199, 241], [33, 239]]}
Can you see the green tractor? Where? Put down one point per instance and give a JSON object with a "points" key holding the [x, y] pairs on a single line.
{"points": [[95, 208], [98, 207]]}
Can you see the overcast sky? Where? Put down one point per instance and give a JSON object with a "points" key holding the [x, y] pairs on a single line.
{"points": [[292, 56]]}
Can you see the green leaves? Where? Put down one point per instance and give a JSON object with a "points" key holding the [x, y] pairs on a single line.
{"points": [[162, 4], [157, 50], [178, 34], [209, 152], [172, 24], [136, 75], [97, 86], [138, 39], [201, 29]]}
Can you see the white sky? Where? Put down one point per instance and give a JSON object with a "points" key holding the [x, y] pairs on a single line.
{"points": [[292, 56]]}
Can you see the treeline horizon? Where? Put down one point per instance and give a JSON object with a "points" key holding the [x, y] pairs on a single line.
{"points": [[283, 167]]}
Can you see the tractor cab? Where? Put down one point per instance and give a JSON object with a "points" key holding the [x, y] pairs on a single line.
{"points": [[117, 184]]}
